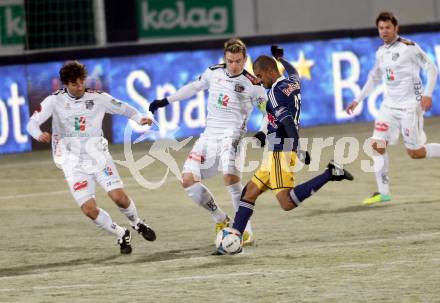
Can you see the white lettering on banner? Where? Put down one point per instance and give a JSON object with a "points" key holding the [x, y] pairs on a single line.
{"points": [[372, 100], [138, 75], [195, 104], [215, 19], [437, 54], [164, 124], [349, 83], [13, 27], [15, 101], [4, 131]]}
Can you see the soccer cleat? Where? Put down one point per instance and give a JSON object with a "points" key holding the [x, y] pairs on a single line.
{"points": [[338, 173], [248, 238], [376, 198], [124, 242], [225, 223], [146, 231]]}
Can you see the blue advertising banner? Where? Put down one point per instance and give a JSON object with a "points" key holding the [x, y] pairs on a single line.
{"points": [[332, 73], [14, 110]]}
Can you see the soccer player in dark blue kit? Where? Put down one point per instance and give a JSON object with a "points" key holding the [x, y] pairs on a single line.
{"points": [[275, 173]]}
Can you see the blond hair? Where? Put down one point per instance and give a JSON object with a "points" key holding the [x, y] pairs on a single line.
{"points": [[235, 46]]}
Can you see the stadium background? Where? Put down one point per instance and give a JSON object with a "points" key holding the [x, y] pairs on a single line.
{"points": [[132, 53], [331, 249]]}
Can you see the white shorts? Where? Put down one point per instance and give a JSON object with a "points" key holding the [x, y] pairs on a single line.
{"points": [[82, 184], [210, 155], [392, 121]]}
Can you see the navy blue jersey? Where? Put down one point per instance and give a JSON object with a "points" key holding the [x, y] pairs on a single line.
{"points": [[284, 103]]}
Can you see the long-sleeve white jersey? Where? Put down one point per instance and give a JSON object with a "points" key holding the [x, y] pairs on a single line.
{"points": [[398, 65], [77, 122], [230, 101]]}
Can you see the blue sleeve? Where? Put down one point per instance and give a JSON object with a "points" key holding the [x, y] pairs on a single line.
{"points": [[289, 68]]}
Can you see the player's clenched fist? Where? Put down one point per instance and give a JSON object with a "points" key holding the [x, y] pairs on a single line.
{"points": [[45, 137], [158, 103], [277, 52]]}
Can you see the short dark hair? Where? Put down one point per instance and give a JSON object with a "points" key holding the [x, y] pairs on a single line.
{"points": [[265, 63], [387, 16], [72, 71], [235, 46]]}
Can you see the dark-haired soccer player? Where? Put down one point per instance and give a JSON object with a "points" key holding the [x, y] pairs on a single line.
{"points": [[81, 151], [276, 172], [398, 64]]}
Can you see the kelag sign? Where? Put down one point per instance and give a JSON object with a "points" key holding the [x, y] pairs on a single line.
{"points": [[157, 18], [332, 73]]}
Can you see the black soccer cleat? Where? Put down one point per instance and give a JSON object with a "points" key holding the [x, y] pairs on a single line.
{"points": [[338, 173], [124, 243], [146, 231]]}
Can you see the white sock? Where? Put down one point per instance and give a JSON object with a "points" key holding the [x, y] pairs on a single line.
{"points": [[235, 191], [381, 168], [131, 213], [203, 197], [432, 150], [105, 222]]}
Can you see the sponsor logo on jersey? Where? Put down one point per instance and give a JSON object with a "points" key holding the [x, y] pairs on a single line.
{"points": [[272, 120], [395, 56], [80, 124], [381, 126], [80, 185], [108, 171], [223, 100], [89, 104], [291, 87], [390, 74], [239, 88], [406, 132]]}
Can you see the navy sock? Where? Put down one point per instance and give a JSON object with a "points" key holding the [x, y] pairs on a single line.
{"points": [[243, 214], [303, 191]]}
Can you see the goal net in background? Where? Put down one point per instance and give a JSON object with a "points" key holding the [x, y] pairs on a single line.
{"points": [[60, 23]]}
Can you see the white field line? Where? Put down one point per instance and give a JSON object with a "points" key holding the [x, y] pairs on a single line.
{"points": [[245, 254], [190, 279]]}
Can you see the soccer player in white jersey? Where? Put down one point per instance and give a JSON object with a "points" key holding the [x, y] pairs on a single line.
{"points": [[233, 92], [398, 64], [81, 151]]}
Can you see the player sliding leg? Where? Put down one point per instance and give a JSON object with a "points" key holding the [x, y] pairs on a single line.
{"points": [[287, 198]]}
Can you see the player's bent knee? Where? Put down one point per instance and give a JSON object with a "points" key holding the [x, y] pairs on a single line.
{"points": [[188, 180], [379, 147], [250, 192], [285, 201], [119, 197], [230, 179], [417, 153], [90, 209]]}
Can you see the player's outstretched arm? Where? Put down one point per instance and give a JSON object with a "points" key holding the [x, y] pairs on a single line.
{"points": [[182, 93], [38, 118]]}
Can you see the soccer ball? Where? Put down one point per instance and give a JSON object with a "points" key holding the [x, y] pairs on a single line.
{"points": [[229, 241]]}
